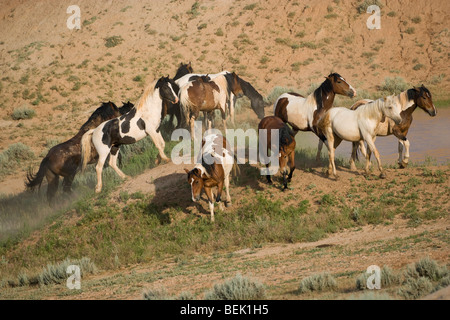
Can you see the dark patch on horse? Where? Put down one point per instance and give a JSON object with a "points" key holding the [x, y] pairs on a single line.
{"points": [[106, 111], [126, 118], [141, 124], [110, 132]]}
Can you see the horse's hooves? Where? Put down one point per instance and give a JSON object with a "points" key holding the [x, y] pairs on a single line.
{"points": [[403, 165], [336, 177], [228, 204], [383, 175], [353, 168]]}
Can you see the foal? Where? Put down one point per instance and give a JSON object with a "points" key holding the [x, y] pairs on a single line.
{"points": [[144, 119], [286, 146], [217, 161], [355, 125]]}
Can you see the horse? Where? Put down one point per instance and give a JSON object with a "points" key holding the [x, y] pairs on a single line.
{"points": [[303, 114], [410, 99], [286, 146], [207, 94], [64, 158], [256, 99], [215, 163], [340, 123], [144, 119], [173, 110]]}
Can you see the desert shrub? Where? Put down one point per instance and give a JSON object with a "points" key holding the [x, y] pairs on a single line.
{"points": [[113, 41], [363, 5], [22, 113], [394, 85], [237, 288], [156, 294], [428, 268], [56, 273], [415, 288], [318, 282], [445, 282], [15, 153]]}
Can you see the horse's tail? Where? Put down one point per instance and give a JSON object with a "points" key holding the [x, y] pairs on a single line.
{"points": [[184, 106], [86, 146], [35, 180]]}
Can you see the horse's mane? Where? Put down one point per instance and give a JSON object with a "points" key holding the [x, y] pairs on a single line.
{"points": [[248, 90], [105, 111], [324, 88], [147, 93], [286, 136]]}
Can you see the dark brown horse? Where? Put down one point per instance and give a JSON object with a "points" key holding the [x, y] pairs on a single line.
{"points": [[64, 158], [286, 146], [411, 98], [173, 110]]}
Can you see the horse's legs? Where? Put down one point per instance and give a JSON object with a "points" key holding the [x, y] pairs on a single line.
{"points": [[371, 144], [227, 189], [268, 176], [103, 152], [319, 150], [159, 142], [53, 182], [292, 165], [67, 183], [210, 196], [403, 160], [113, 162]]}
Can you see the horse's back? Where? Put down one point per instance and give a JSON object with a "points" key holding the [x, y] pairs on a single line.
{"points": [[218, 147]]}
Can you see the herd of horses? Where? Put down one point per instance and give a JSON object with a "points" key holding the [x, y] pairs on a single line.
{"points": [[187, 94]]}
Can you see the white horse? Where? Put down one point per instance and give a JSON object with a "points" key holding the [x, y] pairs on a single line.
{"points": [[144, 119], [355, 125]]}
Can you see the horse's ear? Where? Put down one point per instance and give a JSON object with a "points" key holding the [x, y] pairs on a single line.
{"points": [[186, 170]]}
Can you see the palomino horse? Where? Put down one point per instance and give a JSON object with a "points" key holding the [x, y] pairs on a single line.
{"points": [[286, 146], [213, 169], [173, 110], [355, 125], [410, 100], [144, 119], [64, 158], [206, 94], [302, 113], [256, 99]]}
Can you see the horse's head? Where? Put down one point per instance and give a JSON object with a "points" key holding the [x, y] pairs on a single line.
{"points": [[241, 87], [234, 84], [167, 89], [126, 107], [392, 109], [423, 99], [341, 86], [196, 181], [183, 70]]}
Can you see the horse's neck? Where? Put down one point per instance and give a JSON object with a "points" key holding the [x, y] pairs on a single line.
{"points": [[152, 104], [372, 110], [406, 99]]}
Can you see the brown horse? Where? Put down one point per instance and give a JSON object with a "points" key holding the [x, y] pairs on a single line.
{"points": [[206, 94], [303, 114], [411, 99], [214, 167], [64, 158], [286, 146]]}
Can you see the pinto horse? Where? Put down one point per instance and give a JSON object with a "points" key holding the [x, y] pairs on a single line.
{"points": [[207, 94], [286, 146], [356, 125], [410, 100], [303, 114], [64, 158], [214, 167], [256, 99], [144, 119]]}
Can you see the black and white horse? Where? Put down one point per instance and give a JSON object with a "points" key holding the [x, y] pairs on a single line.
{"points": [[144, 119]]}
